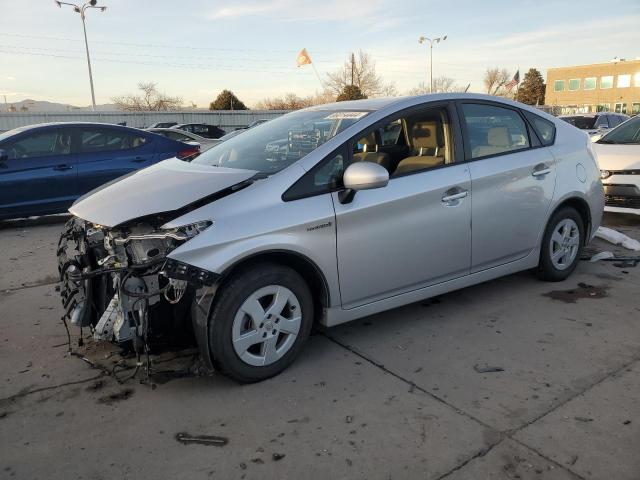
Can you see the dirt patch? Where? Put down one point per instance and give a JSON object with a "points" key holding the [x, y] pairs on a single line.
{"points": [[583, 290], [116, 397]]}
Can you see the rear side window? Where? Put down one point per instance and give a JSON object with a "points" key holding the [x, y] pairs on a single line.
{"points": [[41, 144], [494, 130], [107, 140], [544, 128]]}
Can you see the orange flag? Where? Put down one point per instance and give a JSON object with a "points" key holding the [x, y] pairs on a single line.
{"points": [[303, 58]]}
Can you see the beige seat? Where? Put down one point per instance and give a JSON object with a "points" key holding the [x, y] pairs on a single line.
{"points": [[498, 140], [370, 152], [428, 145]]}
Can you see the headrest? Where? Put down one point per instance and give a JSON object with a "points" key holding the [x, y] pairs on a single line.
{"points": [[427, 135], [499, 137]]}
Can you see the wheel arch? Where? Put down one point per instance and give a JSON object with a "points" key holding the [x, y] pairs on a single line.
{"points": [[307, 268], [582, 207]]}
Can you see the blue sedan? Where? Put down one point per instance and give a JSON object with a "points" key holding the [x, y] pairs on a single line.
{"points": [[45, 168]]}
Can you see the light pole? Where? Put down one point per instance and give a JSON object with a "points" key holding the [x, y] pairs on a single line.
{"points": [[81, 10], [431, 42]]}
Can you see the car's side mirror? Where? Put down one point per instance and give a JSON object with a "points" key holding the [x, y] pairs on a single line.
{"points": [[362, 176], [4, 156]]}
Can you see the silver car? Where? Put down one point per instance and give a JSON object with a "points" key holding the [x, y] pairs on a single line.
{"points": [[376, 204]]}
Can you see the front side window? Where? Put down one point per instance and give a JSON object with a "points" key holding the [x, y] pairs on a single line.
{"points": [[107, 140], [590, 83], [600, 122], [606, 82], [274, 145], [558, 86], [493, 130], [624, 81], [42, 144], [414, 142], [574, 84]]}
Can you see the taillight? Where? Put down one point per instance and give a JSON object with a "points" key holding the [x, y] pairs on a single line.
{"points": [[188, 153]]}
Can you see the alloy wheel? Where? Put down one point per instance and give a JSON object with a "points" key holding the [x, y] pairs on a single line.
{"points": [[266, 325], [564, 244]]}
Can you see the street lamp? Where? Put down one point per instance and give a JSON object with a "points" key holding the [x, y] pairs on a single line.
{"points": [[431, 42], [81, 10]]}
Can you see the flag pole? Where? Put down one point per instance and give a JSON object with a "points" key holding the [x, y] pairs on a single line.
{"points": [[317, 75]]}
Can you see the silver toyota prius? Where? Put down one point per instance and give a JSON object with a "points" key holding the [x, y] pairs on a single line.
{"points": [[327, 214]]}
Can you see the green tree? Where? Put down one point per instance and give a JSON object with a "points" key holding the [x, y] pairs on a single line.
{"points": [[227, 101], [351, 92], [531, 90]]}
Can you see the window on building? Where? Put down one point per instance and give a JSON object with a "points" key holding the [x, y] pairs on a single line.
{"points": [[558, 86], [603, 107], [636, 108], [624, 81], [621, 108], [606, 82], [636, 80], [590, 83], [574, 84]]}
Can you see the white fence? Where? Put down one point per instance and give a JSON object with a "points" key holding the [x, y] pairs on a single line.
{"points": [[226, 119]]}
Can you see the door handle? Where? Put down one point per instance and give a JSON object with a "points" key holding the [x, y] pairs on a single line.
{"points": [[138, 160], [540, 170], [62, 167], [454, 196]]}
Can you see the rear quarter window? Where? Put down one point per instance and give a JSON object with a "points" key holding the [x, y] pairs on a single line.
{"points": [[544, 128]]}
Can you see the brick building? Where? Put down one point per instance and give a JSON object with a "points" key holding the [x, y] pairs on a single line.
{"points": [[612, 86]]}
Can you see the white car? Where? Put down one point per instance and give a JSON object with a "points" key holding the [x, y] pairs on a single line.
{"points": [[619, 157]]}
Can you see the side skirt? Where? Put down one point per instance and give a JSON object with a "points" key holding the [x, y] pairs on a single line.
{"points": [[337, 315]]}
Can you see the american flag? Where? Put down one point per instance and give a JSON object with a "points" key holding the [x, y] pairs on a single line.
{"points": [[515, 81]]}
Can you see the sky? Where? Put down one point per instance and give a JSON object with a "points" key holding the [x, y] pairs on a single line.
{"points": [[195, 48]]}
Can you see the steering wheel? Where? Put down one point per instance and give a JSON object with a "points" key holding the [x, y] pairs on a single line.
{"points": [[18, 151]]}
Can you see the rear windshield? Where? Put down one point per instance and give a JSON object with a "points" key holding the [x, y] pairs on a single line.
{"points": [[584, 123]]}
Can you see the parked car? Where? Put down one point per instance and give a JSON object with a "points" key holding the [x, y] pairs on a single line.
{"points": [[619, 157], [45, 167], [379, 203], [186, 137], [595, 123], [162, 125], [207, 131]]}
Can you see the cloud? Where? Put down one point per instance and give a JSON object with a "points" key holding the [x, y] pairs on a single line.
{"points": [[8, 77]]}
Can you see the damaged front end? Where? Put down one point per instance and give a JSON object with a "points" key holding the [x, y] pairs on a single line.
{"points": [[119, 282]]}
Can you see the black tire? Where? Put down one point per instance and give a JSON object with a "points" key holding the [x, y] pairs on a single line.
{"points": [[232, 295], [546, 269]]}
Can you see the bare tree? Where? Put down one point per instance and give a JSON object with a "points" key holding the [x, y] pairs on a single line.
{"points": [[440, 85], [291, 101], [149, 100], [359, 70], [495, 80]]}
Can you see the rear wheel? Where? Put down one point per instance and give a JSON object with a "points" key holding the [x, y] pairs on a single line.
{"points": [[561, 245], [260, 322]]}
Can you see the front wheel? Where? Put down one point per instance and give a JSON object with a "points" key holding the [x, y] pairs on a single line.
{"points": [[561, 245], [260, 322]]}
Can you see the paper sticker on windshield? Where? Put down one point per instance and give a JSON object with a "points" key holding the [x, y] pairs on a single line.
{"points": [[344, 115]]}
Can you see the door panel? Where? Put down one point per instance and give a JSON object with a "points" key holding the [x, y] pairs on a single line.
{"points": [[403, 236], [511, 197], [40, 175], [106, 154]]}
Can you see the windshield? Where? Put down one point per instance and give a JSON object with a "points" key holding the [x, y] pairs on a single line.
{"points": [[627, 133], [274, 145], [584, 123]]}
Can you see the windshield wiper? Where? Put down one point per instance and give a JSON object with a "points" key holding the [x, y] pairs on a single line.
{"points": [[606, 141]]}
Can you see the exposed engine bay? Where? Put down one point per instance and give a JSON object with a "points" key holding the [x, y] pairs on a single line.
{"points": [[119, 283]]}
